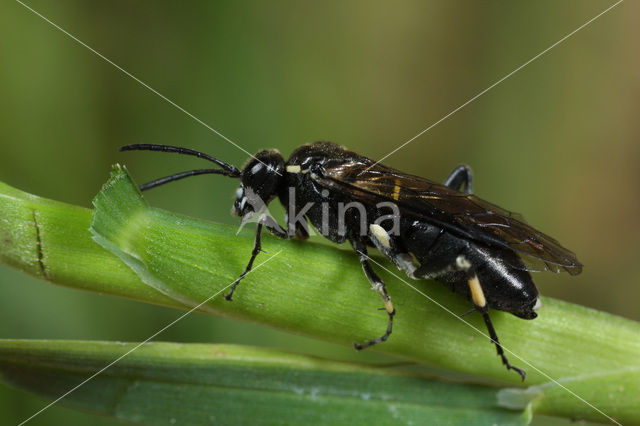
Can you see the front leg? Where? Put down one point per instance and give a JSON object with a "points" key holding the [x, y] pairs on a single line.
{"points": [[273, 227], [378, 285], [257, 247]]}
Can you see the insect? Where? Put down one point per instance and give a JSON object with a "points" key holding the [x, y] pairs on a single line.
{"points": [[427, 229]]}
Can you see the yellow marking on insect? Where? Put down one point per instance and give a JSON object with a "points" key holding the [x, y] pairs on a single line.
{"points": [[380, 234], [396, 190], [388, 306], [477, 295], [293, 169], [379, 288]]}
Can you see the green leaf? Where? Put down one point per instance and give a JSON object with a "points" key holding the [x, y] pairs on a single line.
{"points": [[611, 391], [51, 240], [317, 290], [167, 383]]}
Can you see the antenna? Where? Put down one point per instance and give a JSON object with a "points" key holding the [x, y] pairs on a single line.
{"points": [[228, 170]]}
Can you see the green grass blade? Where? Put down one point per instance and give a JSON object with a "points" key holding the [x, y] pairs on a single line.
{"points": [[611, 391], [51, 241], [165, 383]]}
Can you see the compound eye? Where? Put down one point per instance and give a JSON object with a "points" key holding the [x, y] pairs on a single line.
{"points": [[239, 193]]}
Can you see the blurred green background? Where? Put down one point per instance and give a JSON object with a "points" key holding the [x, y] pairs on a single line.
{"points": [[557, 141]]}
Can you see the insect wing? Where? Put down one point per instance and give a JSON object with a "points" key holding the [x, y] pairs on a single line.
{"points": [[464, 215]]}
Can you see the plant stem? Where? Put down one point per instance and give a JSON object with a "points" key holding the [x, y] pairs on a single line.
{"points": [[311, 289]]}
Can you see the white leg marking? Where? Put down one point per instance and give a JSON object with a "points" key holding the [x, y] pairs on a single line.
{"points": [[405, 262], [462, 263], [381, 235]]}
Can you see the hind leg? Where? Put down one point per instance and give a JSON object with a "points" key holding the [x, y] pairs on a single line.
{"points": [[480, 304], [461, 175]]}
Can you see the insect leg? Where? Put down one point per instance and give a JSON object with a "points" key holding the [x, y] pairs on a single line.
{"points": [[275, 229], [494, 339], [254, 254], [459, 176], [378, 285], [385, 244], [480, 303]]}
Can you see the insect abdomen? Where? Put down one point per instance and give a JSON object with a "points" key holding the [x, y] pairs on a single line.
{"points": [[505, 286]]}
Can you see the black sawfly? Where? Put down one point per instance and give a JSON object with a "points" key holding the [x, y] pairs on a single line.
{"points": [[438, 231]]}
